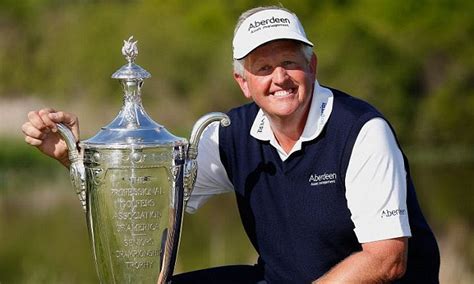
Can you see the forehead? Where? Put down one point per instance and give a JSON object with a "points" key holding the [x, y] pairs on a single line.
{"points": [[277, 48]]}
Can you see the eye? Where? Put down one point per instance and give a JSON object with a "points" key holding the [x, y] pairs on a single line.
{"points": [[289, 64], [264, 70]]}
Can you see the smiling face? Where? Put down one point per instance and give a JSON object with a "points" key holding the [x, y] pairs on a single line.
{"points": [[279, 79]]}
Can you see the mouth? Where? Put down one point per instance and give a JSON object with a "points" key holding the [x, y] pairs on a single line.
{"points": [[284, 93]]}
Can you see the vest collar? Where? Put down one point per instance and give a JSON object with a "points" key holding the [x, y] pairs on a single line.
{"points": [[319, 112]]}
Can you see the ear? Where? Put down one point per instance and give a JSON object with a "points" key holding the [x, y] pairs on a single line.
{"points": [[243, 85], [313, 64]]}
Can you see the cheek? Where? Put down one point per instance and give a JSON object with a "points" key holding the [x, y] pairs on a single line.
{"points": [[306, 84], [259, 84], [305, 78]]}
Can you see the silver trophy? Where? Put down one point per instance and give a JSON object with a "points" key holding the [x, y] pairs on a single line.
{"points": [[133, 179]]}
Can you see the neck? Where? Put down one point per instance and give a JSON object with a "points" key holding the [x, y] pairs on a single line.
{"points": [[288, 131]]}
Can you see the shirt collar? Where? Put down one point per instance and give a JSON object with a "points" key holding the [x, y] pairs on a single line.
{"points": [[319, 112]]}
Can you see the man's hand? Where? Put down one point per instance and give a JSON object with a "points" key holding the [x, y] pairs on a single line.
{"points": [[41, 131]]}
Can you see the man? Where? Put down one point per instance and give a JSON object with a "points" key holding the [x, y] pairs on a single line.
{"points": [[323, 189]]}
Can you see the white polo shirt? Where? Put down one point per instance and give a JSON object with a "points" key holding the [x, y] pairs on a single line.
{"points": [[375, 179]]}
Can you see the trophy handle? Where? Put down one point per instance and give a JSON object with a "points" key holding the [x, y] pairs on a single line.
{"points": [[190, 168], [77, 171]]}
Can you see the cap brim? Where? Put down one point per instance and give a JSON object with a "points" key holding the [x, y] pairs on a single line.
{"points": [[240, 53]]}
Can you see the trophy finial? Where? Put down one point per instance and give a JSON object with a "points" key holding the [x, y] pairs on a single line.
{"points": [[131, 70], [130, 49]]}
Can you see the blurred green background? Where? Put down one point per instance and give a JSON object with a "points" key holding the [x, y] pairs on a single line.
{"points": [[412, 59]]}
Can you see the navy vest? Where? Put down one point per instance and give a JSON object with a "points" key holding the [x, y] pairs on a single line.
{"points": [[295, 212]]}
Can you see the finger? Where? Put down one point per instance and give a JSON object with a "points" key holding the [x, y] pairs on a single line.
{"points": [[36, 121], [63, 117], [32, 141], [29, 130], [44, 114], [67, 118]]}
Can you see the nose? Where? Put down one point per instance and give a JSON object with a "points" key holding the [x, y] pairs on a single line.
{"points": [[280, 75]]}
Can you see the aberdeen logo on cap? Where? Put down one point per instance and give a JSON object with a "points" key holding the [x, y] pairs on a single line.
{"points": [[268, 23], [265, 26]]}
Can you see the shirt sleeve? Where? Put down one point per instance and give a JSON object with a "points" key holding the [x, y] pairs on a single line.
{"points": [[376, 185], [211, 175]]}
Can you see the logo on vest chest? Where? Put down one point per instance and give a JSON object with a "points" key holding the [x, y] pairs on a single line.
{"points": [[322, 179]]}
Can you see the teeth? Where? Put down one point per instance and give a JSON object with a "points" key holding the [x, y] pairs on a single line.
{"points": [[282, 93]]}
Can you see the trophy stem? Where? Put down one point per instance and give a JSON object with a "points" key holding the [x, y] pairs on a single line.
{"points": [[132, 102], [132, 90]]}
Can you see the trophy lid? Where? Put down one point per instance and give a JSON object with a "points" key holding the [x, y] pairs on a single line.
{"points": [[132, 127]]}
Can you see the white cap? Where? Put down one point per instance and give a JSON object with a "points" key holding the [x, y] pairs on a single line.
{"points": [[265, 26]]}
